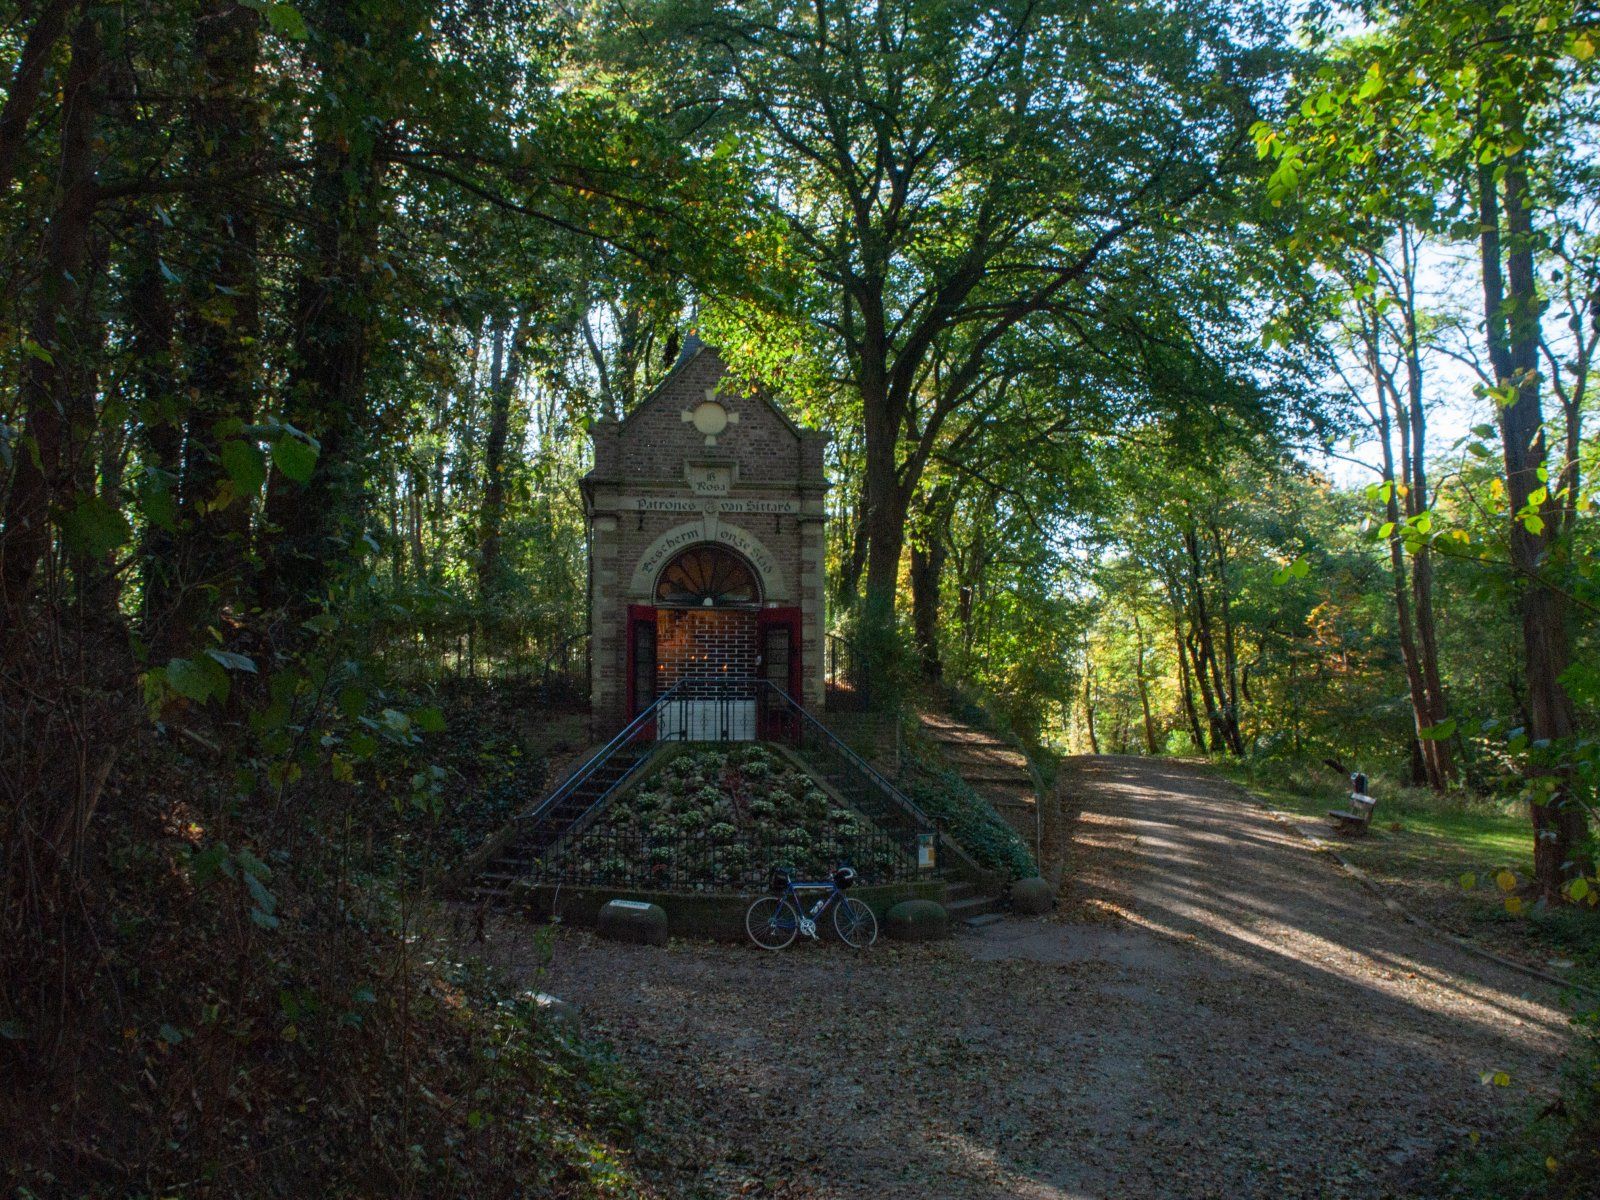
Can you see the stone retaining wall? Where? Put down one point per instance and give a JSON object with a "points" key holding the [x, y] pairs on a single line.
{"points": [[717, 915]]}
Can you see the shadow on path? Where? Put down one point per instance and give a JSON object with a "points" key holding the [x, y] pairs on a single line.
{"points": [[1240, 1020]]}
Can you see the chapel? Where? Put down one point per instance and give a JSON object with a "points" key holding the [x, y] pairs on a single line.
{"points": [[705, 512]]}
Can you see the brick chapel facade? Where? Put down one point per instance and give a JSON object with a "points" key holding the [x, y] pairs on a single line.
{"points": [[705, 511]]}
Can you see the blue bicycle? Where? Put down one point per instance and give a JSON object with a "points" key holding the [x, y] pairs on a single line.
{"points": [[774, 920]]}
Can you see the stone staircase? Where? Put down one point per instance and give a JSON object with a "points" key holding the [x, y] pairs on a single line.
{"points": [[967, 901], [999, 771], [518, 852], [993, 768]]}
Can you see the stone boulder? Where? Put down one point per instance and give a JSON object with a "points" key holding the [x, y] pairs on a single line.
{"points": [[633, 921], [1032, 896], [917, 921]]}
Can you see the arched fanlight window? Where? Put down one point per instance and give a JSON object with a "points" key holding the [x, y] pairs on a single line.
{"points": [[707, 576]]}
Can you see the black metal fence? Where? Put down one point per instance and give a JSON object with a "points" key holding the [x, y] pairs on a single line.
{"points": [[846, 677], [897, 841], [707, 861]]}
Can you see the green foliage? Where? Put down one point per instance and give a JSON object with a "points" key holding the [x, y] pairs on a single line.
{"points": [[1553, 1155], [951, 802], [721, 820], [291, 429]]}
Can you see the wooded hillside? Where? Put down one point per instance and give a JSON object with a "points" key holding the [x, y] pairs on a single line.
{"points": [[1199, 383]]}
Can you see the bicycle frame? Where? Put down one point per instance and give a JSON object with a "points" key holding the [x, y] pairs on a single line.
{"points": [[808, 919]]}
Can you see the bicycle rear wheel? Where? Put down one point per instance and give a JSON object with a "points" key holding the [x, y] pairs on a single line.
{"points": [[771, 922], [854, 923]]}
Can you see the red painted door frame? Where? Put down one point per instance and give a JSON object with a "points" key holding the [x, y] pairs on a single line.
{"points": [[639, 615], [789, 618], [778, 723]]}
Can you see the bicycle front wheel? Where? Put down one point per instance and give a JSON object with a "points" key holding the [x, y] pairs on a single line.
{"points": [[771, 922], [854, 923]]}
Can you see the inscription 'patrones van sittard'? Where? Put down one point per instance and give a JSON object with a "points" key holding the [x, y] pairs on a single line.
{"points": [[705, 509]]}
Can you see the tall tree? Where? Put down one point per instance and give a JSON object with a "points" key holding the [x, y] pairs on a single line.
{"points": [[1480, 87], [57, 414], [943, 170]]}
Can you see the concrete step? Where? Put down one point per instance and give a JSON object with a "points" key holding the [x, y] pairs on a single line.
{"points": [[1018, 778], [982, 919], [968, 752], [973, 906], [975, 743]]}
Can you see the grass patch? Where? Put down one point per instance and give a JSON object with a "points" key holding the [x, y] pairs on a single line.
{"points": [[1422, 845]]}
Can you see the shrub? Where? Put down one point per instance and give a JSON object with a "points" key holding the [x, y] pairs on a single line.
{"points": [[970, 819]]}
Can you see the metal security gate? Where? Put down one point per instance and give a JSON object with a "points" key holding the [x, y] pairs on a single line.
{"points": [[719, 719]]}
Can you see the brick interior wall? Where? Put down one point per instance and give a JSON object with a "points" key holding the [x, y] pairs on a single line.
{"points": [[719, 642]]}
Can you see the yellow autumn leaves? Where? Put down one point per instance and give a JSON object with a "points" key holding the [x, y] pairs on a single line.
{"points": [[1579, 890]]}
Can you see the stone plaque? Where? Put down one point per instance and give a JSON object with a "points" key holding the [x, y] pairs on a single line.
{"points": [[661, 504], [708, 481]]}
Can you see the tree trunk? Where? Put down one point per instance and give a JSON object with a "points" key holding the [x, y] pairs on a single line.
{"points": [[156, 403], [884, 519], [1185, 682], [1224, 731], [1417, 690], [927, 568], [319, 520], [1441, 762], [1511, 310], [22, 96], [1088, 701], [55, 427], [1230, 658], [1216, 743], [930, 550], [854, 563], [221, 326], [502, 393], [1144, 686]]}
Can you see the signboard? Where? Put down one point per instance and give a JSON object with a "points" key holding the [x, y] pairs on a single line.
{"points": [[690, 504]]}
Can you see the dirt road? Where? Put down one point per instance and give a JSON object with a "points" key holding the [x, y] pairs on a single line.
{"points": [[1216, 1011]]}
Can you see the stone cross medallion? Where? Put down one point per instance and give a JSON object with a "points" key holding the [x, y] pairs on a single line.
{"points": [[710, 417]]}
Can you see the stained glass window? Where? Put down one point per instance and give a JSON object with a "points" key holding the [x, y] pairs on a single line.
{"points": [[707, 576]]}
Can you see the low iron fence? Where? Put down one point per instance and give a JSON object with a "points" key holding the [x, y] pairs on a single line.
{"points": [[707, 861], [845, 678], [895, 841]]}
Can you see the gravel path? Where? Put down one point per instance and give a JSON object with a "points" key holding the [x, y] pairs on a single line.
{"points": [[1216, 1011]]}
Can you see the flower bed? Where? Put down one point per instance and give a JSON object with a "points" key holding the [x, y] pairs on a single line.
{"points": [[720, 819]]}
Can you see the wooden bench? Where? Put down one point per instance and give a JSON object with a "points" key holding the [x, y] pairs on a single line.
{"points": [[1358, 816]]}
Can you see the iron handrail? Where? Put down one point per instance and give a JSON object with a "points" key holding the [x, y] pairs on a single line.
{"points": [[850, 756], [574, 781]]}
